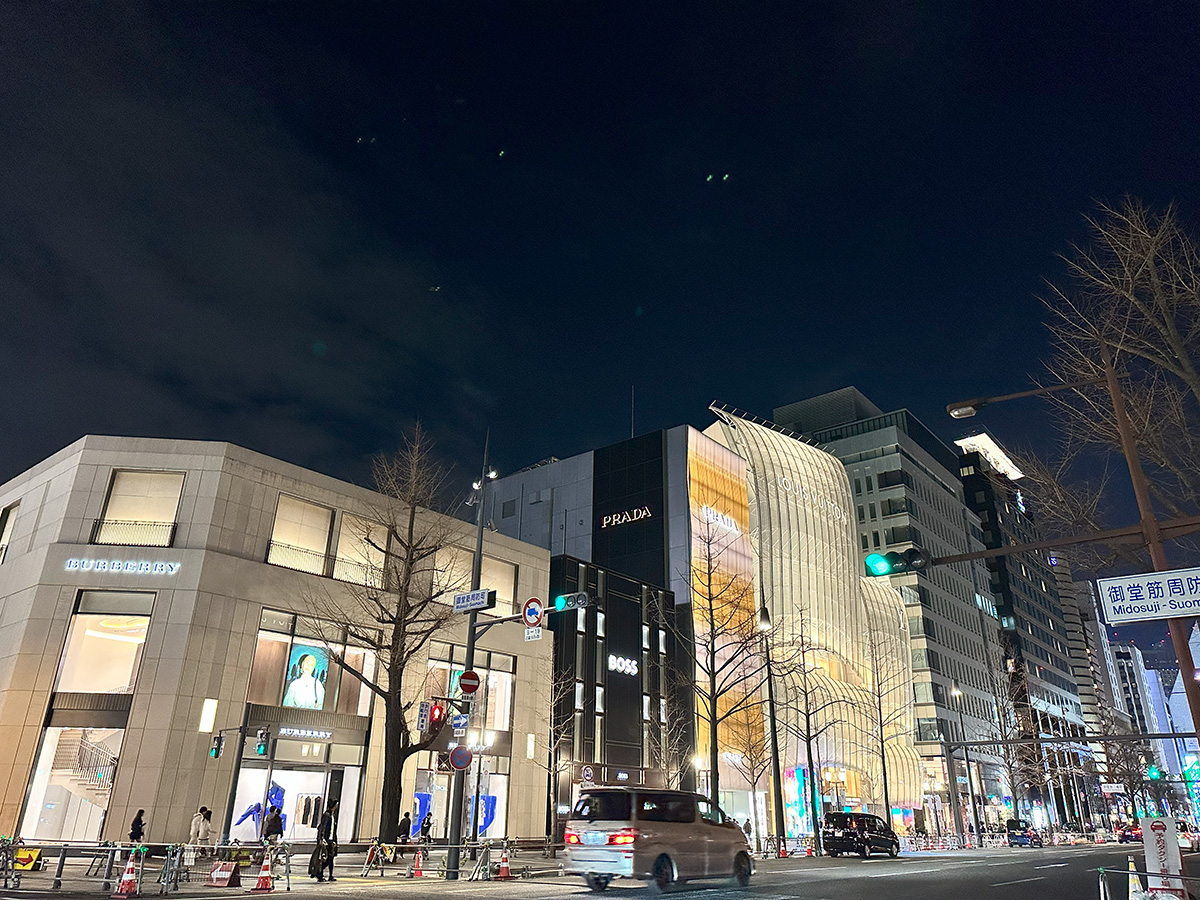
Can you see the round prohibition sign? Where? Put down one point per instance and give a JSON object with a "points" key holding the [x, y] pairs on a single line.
{"points": [[468, 681], [460, 758], [532, 612]]}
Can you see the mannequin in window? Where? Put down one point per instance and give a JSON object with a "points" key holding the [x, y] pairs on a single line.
{"points": [[305, 691]]}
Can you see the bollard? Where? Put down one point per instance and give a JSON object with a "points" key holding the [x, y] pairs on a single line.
{"points": [[58, 870], [108, 867]]}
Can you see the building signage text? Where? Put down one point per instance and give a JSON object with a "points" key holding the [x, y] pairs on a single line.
{"points": [[719, 519], [802, 491], [305, 733], [622, 664], [1153, 595], [130, 566], [624, 518]]}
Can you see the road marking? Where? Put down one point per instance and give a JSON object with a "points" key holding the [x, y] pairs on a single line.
{"points": [[1019, 881], [1051, 866], [907, 872]]}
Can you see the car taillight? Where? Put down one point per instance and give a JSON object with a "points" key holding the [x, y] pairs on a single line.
{"points": [[571, 837], [624, 836]]}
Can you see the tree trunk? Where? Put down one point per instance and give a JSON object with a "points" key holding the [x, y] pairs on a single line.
{"points": [[393, 770], [714, 754], [814, 797]]}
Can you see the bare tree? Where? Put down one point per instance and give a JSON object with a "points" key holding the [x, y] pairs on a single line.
{"points": [[669, 741], [400, 605], [811, 699], [726, 646], [1020, 764], [1136, 288], [749, 754], [889, 697], [557, 696]]}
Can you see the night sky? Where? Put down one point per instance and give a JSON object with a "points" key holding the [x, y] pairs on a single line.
{"points": [[301, 227]]}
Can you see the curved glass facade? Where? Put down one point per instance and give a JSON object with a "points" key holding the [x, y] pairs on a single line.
{"points": [[849, 633]]}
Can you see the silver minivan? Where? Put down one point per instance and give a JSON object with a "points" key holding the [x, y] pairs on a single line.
{"points": [[663, 836]]}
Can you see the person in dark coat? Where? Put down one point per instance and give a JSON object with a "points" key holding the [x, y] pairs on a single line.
{"points": [[327, 837], [137, 828], [405, 832], [426, 827], [273, 826]]}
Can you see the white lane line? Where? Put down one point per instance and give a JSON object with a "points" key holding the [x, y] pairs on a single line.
{"points": [[1051, 866], [907, 872], [1018, 881]]}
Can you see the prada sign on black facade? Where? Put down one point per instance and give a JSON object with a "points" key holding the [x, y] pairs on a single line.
{"points": [[626, 516]]}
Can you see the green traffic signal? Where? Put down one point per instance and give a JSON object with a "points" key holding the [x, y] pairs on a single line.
{"points": [[560, 603], [1154, 773], [878, 564]]}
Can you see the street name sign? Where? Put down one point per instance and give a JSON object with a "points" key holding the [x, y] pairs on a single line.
{"points": [[423, 711], [1152, 595], [474, 600]]}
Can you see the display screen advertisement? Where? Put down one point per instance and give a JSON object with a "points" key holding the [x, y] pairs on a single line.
{"points": [[308, 670], [796, 816]]}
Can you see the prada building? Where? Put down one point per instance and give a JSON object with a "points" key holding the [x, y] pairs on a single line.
{"points": [[636, 513]]}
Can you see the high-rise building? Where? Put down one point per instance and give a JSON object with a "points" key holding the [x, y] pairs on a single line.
{"points": [[1136, 689], [906, 492], [779, 512], [1032, 624]]}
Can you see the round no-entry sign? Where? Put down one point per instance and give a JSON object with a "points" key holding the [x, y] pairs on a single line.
{"points": [[460, 758], [532, 612], [468, 682]]}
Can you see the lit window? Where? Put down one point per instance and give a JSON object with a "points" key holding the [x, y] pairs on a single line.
{"points": [[599, 624], [140, 510], [300, 538], [599, 699], [7, 518], [579, 695], [104, 643]]}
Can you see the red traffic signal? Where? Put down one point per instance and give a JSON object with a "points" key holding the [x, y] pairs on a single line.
{"points": [[436, 715]]}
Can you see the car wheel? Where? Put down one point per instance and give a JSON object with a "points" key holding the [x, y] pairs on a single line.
{"points": [[864, 851], [741, 870], [894, 851], [835, 853], [663, 874], [597, 883]]}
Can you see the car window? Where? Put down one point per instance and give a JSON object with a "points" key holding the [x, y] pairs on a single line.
{"points": [[603, 806], [654, 807], [835, 820], [710, 813]]}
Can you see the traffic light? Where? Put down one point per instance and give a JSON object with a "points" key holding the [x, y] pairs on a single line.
{"points": [[264, 741], [570, 601], [914, 559], [218, 745], [1154, 773], [436, 715]]}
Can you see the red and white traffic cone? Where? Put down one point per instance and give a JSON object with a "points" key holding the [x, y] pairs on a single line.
{"points": [[505, 874], [128, 886], [265, 883], [808, 851], [417, 864]]}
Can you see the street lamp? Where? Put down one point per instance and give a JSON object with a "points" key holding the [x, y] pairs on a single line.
{"points": [[956, 692], [459, 783], [764, 627], [1150, 526]]}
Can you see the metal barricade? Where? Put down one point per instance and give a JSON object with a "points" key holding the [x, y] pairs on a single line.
{"points": [[1137, 884]]}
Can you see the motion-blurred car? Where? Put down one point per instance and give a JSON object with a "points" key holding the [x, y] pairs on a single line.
{"points": [[1129, 834], [1189, 838], [1021, 834]]}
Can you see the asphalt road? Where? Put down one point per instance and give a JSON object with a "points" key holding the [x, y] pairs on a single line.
{"points": [[1059, 873]]}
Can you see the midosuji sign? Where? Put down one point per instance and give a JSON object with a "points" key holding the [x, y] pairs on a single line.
{"points": [[1152, 595]]}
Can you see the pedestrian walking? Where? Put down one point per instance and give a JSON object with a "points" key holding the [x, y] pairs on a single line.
{"points": [[327, 838], [206, 830], [137, 828], [273, 825], [194, 831], [426, 827], [405, 832]]}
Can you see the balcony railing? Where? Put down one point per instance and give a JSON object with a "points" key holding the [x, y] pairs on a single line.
{"points": [[115, 532], [297, 558]]}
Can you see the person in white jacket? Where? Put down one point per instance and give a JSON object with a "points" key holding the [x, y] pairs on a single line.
{"points": [[194, 833], [206, 829]]}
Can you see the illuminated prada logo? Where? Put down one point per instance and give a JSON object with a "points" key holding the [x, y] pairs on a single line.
{"points": [[624, 518], [719, 519]]}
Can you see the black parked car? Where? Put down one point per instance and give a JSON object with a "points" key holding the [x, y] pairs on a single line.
{"points": [[843, 832]]}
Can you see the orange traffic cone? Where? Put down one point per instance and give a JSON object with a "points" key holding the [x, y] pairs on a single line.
{"points": [[809, 851], [505, 874], [417, 865], [265, 883], [128, 886]]}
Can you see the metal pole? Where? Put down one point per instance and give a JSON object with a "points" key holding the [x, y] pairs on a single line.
{"points": [[459, 782], [233, 781], [970, 788], [776, 771], [952, 785], [1179, 628]]}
